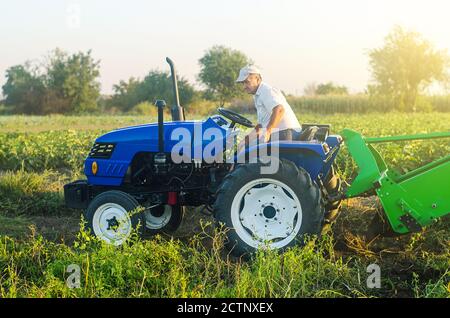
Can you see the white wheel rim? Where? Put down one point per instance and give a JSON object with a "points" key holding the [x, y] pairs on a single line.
{"points": [[158, 222], [269, 217], [112, 223]]}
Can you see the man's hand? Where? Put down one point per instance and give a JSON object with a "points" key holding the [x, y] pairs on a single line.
{"points": [[258, 129], [267, 133]]}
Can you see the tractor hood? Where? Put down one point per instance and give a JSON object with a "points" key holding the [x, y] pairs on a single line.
{"points": [[147, 134], [125, 143]]}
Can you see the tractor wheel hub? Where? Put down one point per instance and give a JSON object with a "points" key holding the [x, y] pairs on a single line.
{"points": [[268, 212]]}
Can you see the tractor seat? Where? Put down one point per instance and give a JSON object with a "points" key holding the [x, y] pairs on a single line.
{"points": [[311, 132]]}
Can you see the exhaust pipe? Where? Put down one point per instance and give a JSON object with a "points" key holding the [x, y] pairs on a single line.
{"points": [[160, 104], [177, 110]]}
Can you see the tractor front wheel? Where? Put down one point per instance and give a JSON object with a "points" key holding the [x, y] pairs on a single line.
{"points": [[112, 215]]}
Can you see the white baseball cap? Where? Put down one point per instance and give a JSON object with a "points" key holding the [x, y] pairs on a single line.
{"points": [[246, 71]]}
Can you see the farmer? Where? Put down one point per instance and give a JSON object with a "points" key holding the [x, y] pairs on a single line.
{"points": [[273, 111]]}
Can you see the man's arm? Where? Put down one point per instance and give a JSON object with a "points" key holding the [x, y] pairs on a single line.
{"points": [[275, 118]]}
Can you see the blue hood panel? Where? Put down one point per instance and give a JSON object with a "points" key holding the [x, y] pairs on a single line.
{"points": [[147, 134], [144, 138]]}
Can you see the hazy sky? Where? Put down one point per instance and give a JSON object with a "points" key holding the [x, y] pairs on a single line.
{"points": [[295, 42]]}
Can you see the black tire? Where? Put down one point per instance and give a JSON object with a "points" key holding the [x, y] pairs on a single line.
{"points": [[332, 184], [177, 215], [119, 199], [297, 179]]}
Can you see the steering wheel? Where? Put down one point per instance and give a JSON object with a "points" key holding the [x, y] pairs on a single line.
{"points": [[235, 118]]}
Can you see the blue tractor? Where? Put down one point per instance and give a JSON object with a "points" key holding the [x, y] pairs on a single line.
{"points": [[133, 178]]}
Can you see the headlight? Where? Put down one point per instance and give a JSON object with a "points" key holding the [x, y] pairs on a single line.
{"points": [[94, 168]]}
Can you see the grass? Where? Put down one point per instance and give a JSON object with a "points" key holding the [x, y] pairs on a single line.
{"points": [[14, 227], [33, 261], [55, 228], [24, 123], [200, 267], [374, 123], [31, 193], [170, 268]]}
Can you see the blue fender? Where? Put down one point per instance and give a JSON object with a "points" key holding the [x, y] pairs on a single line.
{"points": [[315, 157]]}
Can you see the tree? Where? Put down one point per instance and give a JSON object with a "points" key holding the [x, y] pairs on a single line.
{"points": [[74, 79], [310, 89], [63, 84], [156, 85], [331, 89], [405, 66], [125, 94], [219, 69], [24, 89]]}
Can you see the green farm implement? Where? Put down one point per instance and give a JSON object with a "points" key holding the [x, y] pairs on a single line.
{"points": [[410, 201]]}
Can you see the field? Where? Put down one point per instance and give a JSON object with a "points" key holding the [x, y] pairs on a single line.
{"points": [[39, 237]]}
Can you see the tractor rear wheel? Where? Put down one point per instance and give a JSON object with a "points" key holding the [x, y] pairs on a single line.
{"points": [[271, 210], [163, 219], [333, 186]]}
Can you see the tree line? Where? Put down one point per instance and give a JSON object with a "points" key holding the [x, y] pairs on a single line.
{"points": [[402, 69]]}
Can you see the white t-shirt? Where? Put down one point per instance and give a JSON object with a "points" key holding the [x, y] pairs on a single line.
{"points": [[266, 99]]}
